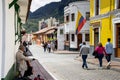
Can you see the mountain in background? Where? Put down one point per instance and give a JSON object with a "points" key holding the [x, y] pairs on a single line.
{"points": [[54, 9]]}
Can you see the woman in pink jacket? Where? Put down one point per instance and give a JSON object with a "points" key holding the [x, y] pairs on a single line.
{"points": [[101, 52]]}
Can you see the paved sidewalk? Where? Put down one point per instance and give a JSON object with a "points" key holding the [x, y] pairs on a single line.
{"points": [[115, 65], [66, 52], [39, 69]]}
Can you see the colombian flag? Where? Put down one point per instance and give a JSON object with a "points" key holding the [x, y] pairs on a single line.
{"points": [[79, 22]]}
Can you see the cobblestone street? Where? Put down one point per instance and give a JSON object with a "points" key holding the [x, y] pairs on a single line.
{"points": [[65, 67]]}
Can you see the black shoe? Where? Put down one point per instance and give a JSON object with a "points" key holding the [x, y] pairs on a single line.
{"points": [[83, 67]]}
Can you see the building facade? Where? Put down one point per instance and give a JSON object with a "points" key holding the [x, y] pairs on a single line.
{"points": [[9, 44], [60, 37], [105, 23], [72, 40], [47, 30]]}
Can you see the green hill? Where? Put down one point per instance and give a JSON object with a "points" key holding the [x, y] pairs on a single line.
{"points": [[54, 9]]}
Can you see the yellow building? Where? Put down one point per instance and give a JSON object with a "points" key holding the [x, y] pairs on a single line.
{"points": [[105, 23]]}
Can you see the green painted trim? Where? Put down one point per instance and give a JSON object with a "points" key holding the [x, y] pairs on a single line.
{"points": [[12, 3], [11, 74]]}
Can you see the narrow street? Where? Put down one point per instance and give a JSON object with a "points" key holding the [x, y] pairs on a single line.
{"points": [[65, 67]]}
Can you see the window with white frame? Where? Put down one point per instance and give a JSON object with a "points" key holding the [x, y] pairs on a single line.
{"points": [[72, 17], [67, 37], [61, 31], [87, 15], [67, 18], [97, 7], [86, 37], [72, 37]]}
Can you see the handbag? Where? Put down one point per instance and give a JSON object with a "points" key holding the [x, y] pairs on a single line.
{"points": [[95, 54]]}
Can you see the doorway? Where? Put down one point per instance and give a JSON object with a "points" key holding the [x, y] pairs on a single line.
{"points": [[79, 36], [118, 40], [96, 36]]}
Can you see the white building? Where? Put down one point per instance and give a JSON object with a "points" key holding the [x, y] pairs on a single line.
{"points": [[60, 37], [70, 15], [8, 48], [50, 22]]}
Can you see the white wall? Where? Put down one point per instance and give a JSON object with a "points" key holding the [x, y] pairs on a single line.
{"points": [[0, 35], [73, 44], [74, 7], [60, 38], [8, 36]]}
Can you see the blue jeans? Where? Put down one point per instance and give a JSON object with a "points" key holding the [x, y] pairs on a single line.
{"points": [[108, 57], [84, 57], [44, 49], [100, 57]]}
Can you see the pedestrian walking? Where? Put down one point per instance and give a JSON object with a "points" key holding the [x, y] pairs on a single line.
{"points": [[109, 51], [84, 51], [49, 47], [45, 46], [101, 52], [52, 46], [56, 43]]}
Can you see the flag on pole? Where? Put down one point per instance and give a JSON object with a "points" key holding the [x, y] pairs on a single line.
{"points": [[80, 21]]}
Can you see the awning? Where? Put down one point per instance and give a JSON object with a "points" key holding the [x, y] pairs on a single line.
{"points": [[45, 30], [50, 32]]}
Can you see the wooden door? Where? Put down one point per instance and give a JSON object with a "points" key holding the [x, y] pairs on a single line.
{"points": [[96, 36], [79, 40], [118, 40]]}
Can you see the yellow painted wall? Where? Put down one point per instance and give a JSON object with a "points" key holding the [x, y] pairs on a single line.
{"points": [[91, 8], [106, 23], [105, 30], [104, 6], [91, 36]]}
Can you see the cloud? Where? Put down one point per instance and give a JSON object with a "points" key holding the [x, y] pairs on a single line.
{"points": [[39, 3]]}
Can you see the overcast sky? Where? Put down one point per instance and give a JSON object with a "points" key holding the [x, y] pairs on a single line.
{"points": [[38, 3]]}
